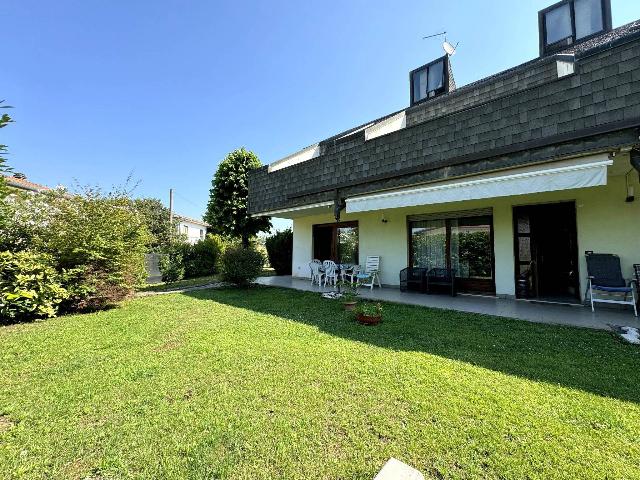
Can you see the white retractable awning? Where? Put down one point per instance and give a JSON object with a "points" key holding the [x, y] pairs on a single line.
{"points": [[563, 175], [294, 212]]}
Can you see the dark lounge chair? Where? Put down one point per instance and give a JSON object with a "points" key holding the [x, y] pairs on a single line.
{"points": [[441, 277], [605, 277], [413, 278], [636, 269]]}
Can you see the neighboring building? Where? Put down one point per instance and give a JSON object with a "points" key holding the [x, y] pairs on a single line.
{"points": [[195, 230], [19, 181], [509, 180]]}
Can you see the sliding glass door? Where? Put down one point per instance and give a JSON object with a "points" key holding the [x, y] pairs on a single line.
{"points": [[429, 244], [337, 242], [464, 244]]}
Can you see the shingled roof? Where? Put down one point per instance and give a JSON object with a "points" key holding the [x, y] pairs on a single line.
{"points": [[626, 32], [532, 113]]}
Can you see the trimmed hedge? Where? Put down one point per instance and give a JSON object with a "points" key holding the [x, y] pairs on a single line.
{"points": [[241, 265], [202, 259], [183, 260], [280, 251]]}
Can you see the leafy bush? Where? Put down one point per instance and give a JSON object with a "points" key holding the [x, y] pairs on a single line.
{"points": [[203, 258], [172, 263], [156, 217], [98, 239], [30, 286], [241, 265], [280, 251]]}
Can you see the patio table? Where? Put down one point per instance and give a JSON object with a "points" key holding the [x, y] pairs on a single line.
{"points": [[341, 268]]}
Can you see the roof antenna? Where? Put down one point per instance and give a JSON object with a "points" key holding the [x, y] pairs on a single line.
{"points": [[446, 46]]}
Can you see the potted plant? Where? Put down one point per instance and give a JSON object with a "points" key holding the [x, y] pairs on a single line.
{"points": [[349, 295], [369, 313]]}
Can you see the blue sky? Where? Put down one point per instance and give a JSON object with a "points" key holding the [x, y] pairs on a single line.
{"points": [[166, 88]]}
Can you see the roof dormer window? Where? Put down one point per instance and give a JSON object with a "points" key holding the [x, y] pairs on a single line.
{"points": [[430, 80], [571, 21]]}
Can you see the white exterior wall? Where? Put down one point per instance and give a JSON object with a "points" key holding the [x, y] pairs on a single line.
{"points": [[605, 224], [192, 231]]}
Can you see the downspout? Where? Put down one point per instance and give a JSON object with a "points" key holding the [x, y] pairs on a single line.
{"points": [[338, 205], [635, 159]]}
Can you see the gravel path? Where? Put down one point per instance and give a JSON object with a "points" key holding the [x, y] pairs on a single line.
{"points": [[182, 290]]}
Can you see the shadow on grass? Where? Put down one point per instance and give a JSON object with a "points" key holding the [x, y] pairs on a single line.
{"points": [[589, 360]]}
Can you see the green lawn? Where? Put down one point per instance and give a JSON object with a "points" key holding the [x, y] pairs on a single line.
{"points": [[271, 383]]}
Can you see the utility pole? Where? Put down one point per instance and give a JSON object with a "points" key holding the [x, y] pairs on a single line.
{"points": [[171, 208]]}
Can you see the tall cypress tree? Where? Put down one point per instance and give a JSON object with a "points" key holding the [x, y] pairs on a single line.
{"points": [[228, 198]]}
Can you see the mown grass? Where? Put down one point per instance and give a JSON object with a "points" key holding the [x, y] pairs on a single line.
{"points": [[271, 383]]}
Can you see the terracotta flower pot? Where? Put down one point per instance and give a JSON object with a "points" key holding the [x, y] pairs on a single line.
{"points": [[369, 319], [349, 306]]}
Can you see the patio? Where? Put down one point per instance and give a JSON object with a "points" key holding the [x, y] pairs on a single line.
{"points": [[569, 315]]}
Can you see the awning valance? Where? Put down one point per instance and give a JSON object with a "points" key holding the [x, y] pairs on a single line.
{"points": [[564, 175], [294, 212]]}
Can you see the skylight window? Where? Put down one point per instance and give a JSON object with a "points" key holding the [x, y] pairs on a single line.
{"points": [[558, 24], [429, 81], [571, 21], [589, 17]]}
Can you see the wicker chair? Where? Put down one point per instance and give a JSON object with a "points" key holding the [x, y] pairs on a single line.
{"points": [[636, 269], [605, 277], [413, 278], [442, 277]]}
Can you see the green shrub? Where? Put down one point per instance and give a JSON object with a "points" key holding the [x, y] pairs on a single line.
{"points": [[30, 286], [98, 239], [171, 262], [203, 258], [280, 251], [156, 216], [241, 265]]}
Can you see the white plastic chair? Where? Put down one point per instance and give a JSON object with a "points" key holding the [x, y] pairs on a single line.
{"points": [[316, 272], [371, 273], [330, 272], [352, 274]]}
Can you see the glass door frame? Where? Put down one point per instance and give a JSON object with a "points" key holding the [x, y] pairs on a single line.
{"points": [[335, 226], [469, 285], [532, 211]]}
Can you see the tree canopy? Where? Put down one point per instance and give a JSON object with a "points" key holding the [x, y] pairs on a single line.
{"points": [[228, 198], [156, 216]]}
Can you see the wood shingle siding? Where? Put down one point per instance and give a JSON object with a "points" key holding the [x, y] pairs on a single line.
{"points": [[521, 116]]}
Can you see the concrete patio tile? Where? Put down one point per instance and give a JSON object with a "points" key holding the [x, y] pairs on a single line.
{"points": [[557, 314]]}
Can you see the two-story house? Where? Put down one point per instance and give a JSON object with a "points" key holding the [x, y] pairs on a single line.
{"points": [[508, 180]]}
